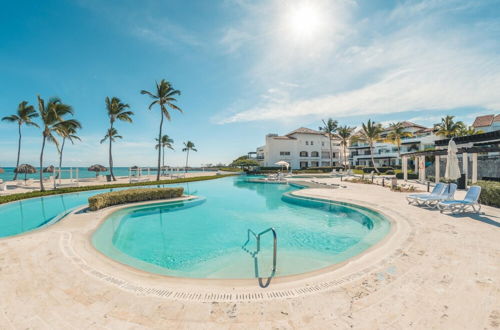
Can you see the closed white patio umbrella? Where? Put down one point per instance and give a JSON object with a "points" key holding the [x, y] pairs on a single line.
{"points": [[452, 168], [283, 163]]}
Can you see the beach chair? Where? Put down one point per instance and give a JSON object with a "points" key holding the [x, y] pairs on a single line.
{"points": [[432, 201], [471, 201], [438, 190]]}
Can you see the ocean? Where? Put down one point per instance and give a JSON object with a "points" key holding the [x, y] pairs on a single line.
{"points": [[82, 173]]}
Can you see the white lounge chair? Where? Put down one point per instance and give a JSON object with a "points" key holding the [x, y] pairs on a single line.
{"points": [[471, 200], [432, 201], [438, 190]]}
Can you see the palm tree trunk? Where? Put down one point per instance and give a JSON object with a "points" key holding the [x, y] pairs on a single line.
{"points": [[159, 141], [331, 151], [18, 152], [373, 159], [163, 159], [61, 156], [42, 188], [187, 158], [345, 156], [111, 160]]}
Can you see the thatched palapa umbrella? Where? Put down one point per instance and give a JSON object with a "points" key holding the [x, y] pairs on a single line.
{"points": [[2, 170], [25, 169], [97, 168], [49, 169]]}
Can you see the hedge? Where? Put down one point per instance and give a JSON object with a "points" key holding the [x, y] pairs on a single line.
{"points": [[380, 169], [32, 194], [411, 176], [490, 193], [103, 200]]}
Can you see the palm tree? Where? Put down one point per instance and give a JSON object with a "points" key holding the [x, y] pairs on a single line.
{"points": [[370, 133], [448, 127], [344, 133], [188, 146], [164, 97], [24, 115], [52, 116], [111, 135], [67, 130], [396, 134], [116, 111], [329, 128], [471, 130], [165, 141]]}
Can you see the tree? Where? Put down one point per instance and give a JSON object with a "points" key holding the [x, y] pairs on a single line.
{"points": [[116, 110], [67, 130], [24, 115], [245, 163], [397, 133], [165, 142], [370, 133], [111, 135], [52, 116], [471, 130], [188, 146], [329, 127], [344, 133], [448, 127], [164, 97]]}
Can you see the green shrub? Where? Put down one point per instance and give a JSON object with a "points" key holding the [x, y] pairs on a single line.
{"points": [[103, 200], [32, 194], [411, 176], [490, 193], [380, 169], [390, 172], [230, 169]]}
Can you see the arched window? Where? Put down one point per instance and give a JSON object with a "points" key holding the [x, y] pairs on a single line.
{"points": [[314, 154], [303, 154]]}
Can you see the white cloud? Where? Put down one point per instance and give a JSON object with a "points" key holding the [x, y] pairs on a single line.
{"points": [[407, 63]]}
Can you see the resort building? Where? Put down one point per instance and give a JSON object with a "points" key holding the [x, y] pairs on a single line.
{"points": [[386, 153], [487, 123], [301, 148]]}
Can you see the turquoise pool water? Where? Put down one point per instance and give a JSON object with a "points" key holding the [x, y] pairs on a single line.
{"points": [[204, 238]]}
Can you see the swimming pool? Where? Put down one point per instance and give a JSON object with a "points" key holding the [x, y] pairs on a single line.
{"points": [[205, 237]]}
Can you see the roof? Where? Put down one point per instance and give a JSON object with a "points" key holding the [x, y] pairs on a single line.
{"points": [[482, 121], [283, 138], [407, 124], [496, 119], [304, 130]]}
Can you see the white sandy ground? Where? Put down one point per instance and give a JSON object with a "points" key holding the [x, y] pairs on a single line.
{"points": [[13, 188], [433, 271]]}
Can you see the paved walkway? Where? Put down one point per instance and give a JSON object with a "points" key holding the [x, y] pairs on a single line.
{"points": [[434, 271]]}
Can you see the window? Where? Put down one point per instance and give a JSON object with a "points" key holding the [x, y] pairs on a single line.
{"points": [[322, 144], [303, 164], [307, 143], [314, 154], [284, 153], [303, 154], [312, 142], [333, 155], [314, 164], [325, 154]]}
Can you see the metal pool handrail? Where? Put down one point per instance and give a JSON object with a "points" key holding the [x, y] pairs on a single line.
{"points": [[257, 237]]}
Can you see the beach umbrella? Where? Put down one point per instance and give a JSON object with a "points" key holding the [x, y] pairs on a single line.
{"points": [[97, 168], [283, 163], [452, 168], [25, 169], [2, 170], [49, 169]]}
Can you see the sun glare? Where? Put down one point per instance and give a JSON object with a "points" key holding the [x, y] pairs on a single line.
{"points": [[304, 21]]}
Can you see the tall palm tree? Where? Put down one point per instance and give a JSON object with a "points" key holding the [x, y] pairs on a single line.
{"points": [[116, 111], [188, 146], [370, 133], [329, 127], [24, 115], [67, 130], [344, 133], [397, 133], [448, 127], [52, 115], [111, 135], [165, 142], [471, 130], [164, 97]]}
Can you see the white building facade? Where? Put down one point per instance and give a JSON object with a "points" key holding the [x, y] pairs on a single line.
{"points": [[301, 148]]}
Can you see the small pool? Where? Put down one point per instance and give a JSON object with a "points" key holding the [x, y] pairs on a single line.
{"points": [[205, 237]]}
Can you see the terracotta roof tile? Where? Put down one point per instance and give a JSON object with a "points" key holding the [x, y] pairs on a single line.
{"points": [[482, 121], [497, 118], [304, 130]]}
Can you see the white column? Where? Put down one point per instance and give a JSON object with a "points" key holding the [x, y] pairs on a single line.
{"points": [[474, 168], [405, 168], [416, 164], [421, 168], [465, 166], [437, 165]]}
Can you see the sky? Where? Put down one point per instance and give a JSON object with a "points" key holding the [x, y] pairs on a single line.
{"points": [[245, 68]]}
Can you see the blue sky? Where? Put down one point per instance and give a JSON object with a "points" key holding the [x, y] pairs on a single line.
{"points": [[245, 68]]}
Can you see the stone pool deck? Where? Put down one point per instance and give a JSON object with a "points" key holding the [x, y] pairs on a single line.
{"points": [[433, 271]]}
